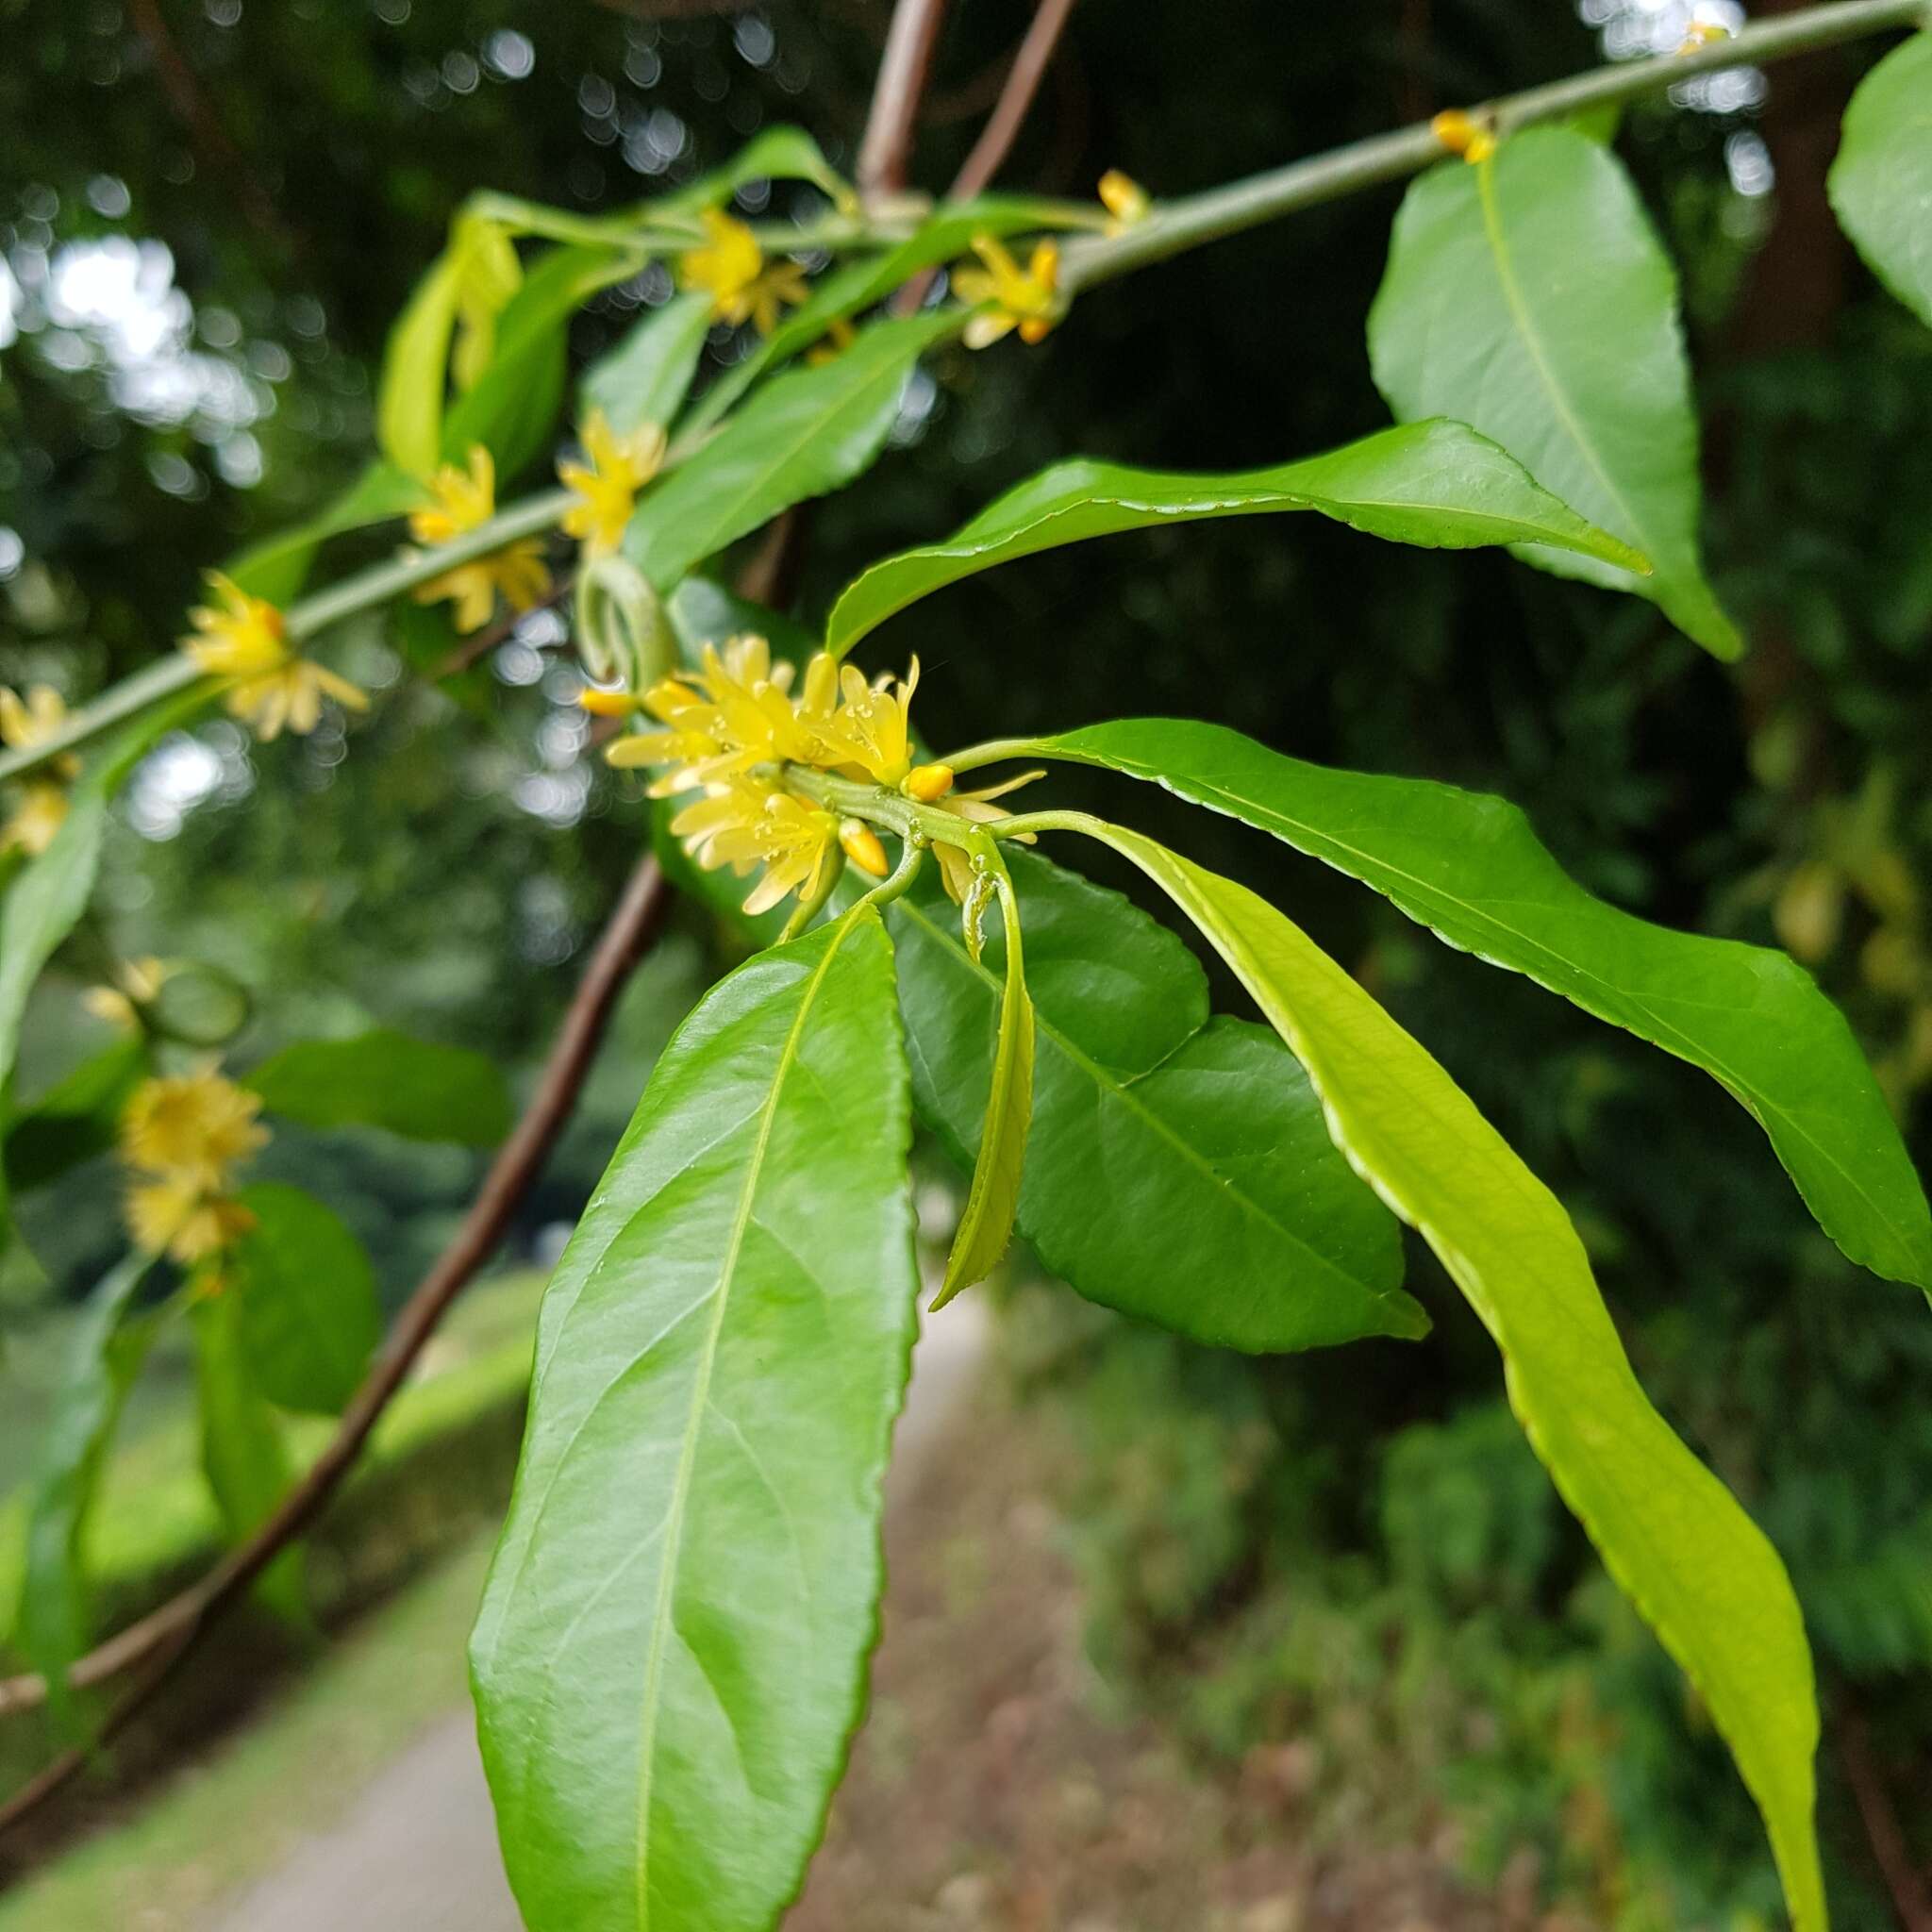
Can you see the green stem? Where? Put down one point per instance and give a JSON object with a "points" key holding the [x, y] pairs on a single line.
{"points": [[1171, 228], [1176, 225]]}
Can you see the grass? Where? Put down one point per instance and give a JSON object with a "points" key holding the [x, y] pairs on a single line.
{"points": [[221, 1822]]}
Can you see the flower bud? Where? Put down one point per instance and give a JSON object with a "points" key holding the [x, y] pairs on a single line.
{"points": [[926, 783], [860, 845]]}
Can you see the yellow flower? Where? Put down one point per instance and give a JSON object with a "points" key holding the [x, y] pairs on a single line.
{"points": [[42, 807], [244, 640], [192, 1126], [137, 984], [177, 1217], [464, 500], [721, 721], [745, 825], [1701, 34], [928, 783], [732, 267], [861, 845], [1463, 133], [1025, 299], [607, 488], [871, 734], [1123, 198]]}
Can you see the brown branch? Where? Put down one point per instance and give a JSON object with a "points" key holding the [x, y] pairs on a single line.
{"points": [[886, 152], [1010, 111], [165, 1634], [1911, 1891]]}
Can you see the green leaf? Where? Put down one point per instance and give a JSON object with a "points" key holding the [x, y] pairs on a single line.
{"points": [[779, 154], [857, 284], [415, 365], [670, 1657], [702, 612], [1469, 866], [244, 1453], [1435, 483], [46, 896], [644, 378], [308, 1316], [75, 1119], [986, 1223], [808, 431], [1695, 1565], [386, 1079], [1506, 282], [1229, 1217], [278, 567], [1881, 183], [104, 1356], [511, 408]]}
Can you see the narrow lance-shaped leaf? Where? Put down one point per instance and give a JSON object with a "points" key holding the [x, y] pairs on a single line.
{"points": [[808, 431], [1228, 1214], [1881, 183], [385, 1079], [1470, 867], [1437, 483], [308, 1318], [415, 365], [278, 567], [75, 1119], [244, 1453], [776, 154], [986, 1223], [1694, 1564], [1505, 283], [106, 1355], [644, 378], [669, 1657]]}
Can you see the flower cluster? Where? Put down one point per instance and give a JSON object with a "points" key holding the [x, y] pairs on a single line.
{"points": [[42, 807], [730, 730], [463, 500], [244, 640], [732, 269], [184, 1134]]}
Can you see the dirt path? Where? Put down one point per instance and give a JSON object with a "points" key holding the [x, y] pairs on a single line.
{"points": [[416, 1852]]}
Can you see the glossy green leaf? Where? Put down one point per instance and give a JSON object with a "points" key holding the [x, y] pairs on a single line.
{"points": [[1229, 1216], [1529, 298], [308, 1316], [1435, 483], [47, 895], [1678, 1544], [386, 1079], [511, 407], [244, 1452], [1881, 183], [670, 1657], [105, 1355], [415, 365], [986, 1223], [1470, 867], [858, 285], [75, 1119], [644, 378], [278, 567], [808, 431]]}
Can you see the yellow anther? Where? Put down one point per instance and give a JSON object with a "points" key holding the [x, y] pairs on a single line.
{"points": [[860, 845], [927, 782], [1459, 132], [1701, 34]]}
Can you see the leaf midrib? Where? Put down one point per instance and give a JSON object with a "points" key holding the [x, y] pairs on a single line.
{"points": [[701, 1392], [1125, 1093]]}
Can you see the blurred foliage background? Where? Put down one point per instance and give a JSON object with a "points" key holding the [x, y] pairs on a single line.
{"points": [[213, 211]]}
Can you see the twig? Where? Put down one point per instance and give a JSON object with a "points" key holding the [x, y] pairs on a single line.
{"points": [[1911, 1894], [169, 1632], [885, 154], [1003, 124]]}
